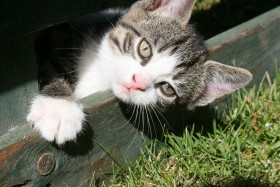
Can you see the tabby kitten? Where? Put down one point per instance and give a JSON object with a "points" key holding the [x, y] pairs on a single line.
{"points": [[151, 57]]}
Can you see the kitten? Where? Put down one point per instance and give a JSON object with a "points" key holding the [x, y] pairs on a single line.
{"points": [[152, 56]]}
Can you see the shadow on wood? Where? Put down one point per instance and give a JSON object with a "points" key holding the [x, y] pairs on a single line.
{"points": [[82, 145]]}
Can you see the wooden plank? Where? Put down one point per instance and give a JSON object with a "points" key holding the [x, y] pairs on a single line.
{"points": [[17, 81], [253, 45], [108, 137], [26, 16]]}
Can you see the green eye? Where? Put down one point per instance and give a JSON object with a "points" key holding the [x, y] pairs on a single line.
{"points": [[145, 50], [167, 90]]}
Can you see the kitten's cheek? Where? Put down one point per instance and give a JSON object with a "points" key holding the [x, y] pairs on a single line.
{"points": [[121, 92], [125, 90]]}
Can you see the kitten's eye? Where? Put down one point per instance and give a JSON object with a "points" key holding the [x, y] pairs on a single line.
{"points": [[167, 90], [145, 50]]}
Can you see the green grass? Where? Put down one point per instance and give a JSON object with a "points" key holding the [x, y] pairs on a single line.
{"points": [[205, 4], [243, 149]]}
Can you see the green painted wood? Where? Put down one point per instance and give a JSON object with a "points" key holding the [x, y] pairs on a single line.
{"points": [[108, 138], [26, 16], [17, 81], [253, 45]]}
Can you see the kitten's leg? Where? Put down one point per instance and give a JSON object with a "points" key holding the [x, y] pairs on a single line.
{"points": [[55, 113]]}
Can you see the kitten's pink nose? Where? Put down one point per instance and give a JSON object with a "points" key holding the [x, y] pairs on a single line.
{"points": [[139, 82]]}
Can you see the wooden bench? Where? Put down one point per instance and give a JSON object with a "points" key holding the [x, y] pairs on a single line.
{"points": [[109, 138]]}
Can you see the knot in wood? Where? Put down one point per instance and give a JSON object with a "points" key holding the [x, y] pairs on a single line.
{"points": [[45, 164]]}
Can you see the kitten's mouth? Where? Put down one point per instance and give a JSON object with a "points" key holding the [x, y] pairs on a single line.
{"points": [[128, 90], [133, 95], [138, 89]]}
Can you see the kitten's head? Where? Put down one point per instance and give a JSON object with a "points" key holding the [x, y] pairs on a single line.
{"points": [[159, 59]]}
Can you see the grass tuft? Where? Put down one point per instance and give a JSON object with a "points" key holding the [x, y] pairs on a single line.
{"points": [[205, 4]]}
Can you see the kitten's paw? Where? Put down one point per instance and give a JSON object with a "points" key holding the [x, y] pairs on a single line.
{"points": [[56, 119]]}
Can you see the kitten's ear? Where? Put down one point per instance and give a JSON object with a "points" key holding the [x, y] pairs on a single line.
{"points": [[180, 9], [220, 80]]}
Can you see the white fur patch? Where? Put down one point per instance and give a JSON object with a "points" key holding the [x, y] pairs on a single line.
{"points": [[94, 71], [56, 119]]}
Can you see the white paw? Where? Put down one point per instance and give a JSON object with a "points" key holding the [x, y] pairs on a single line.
{"points": [[56, 119]]}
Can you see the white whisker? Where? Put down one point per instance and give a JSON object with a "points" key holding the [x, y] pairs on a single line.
{"points": [[148, 121], [167, 123], [155, 112], [137, 113], [155, 129]]}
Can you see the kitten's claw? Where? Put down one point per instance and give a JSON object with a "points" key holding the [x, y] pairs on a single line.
{"points": [[56, 119]]}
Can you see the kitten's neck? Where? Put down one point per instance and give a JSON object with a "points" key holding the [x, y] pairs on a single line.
{"points": [[95, 71]]}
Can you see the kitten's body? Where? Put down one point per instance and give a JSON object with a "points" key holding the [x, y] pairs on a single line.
{"points": [[152, 57]]}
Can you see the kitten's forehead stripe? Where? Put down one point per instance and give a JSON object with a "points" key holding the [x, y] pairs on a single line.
{"points": [[130, 27], [115, 41], [175, 43], [180, 75], [190, 63], [174, 50], [181, 40], [127, 43], [156, 40]]}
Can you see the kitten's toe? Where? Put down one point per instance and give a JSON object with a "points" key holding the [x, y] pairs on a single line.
{"points": [[71, 124], [35, 114], [47, 127], [56, 119]]}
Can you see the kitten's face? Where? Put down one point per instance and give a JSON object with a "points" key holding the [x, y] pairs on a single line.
{"points": [[159, 59], [145, 76]]}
